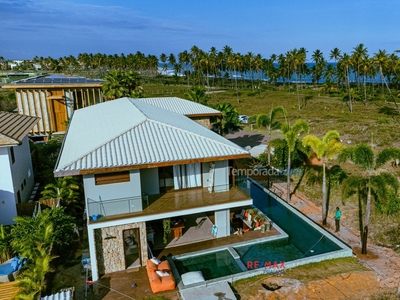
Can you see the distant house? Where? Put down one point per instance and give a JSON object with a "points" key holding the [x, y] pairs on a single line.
{"points": [[53, 98], [197, 112], [141, 163], [16, 175]]}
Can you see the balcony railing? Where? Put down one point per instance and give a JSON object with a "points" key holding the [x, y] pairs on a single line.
{"points": [[160, 203]]}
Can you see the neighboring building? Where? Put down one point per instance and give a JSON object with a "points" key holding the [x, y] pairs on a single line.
{"points": [[16, 175], [53, 98], [197, 112], [141, 163]]}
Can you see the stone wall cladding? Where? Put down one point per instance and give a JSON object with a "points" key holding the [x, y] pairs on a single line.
{"points": [[110, 250], [203, 122]]}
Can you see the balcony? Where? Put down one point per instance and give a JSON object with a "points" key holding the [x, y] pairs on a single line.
{"points": [[170, 202]]}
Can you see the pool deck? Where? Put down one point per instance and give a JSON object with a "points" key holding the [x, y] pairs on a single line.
{"points": [[118, 285]]}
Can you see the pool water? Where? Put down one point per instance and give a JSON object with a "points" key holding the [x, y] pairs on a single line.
{"points": [[271, 251], [212, 265]]}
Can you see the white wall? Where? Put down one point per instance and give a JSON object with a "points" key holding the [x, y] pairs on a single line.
{"points": [[206, 174], [116, 198], [221, 176], [22, 170], [222, 222], [7, 199]]}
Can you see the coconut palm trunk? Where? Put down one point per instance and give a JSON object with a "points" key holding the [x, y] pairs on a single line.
{"points": [[288, 178], [324, 194]]}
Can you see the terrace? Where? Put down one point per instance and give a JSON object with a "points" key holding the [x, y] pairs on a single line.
{"points": [[122, 281], [320, 245], [172, 203]]}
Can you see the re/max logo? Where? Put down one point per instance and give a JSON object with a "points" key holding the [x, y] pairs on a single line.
{"points": [[268, 264]]}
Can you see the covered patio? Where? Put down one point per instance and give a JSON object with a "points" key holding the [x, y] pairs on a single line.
{"points": [[118, 285]]}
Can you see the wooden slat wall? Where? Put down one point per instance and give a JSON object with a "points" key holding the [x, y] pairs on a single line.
{"points": [[8, 290], [108, 178]]}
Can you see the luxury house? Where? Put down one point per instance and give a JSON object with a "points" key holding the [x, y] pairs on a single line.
{"points": [[141, 164], [53, 98], [16, 176]]}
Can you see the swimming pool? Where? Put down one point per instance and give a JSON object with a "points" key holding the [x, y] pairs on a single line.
{"points": [[268, 252], [212, 265], [301, 241]]}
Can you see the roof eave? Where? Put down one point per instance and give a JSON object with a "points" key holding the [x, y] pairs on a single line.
{"points": [[147, 166]]}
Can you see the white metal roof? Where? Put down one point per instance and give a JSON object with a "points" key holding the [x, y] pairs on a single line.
{"points": [[67, 294], [127, 132], [181, 106]]}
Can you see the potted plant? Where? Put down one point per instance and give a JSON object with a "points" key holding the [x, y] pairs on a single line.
{"points": [[252, 213], [167, 229], [260, 218]]}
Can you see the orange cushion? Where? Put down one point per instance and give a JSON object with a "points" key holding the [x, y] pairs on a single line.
{"points": [[154, 277], [164, 265], [150, 265]]}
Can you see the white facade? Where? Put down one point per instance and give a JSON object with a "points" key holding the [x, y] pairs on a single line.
{"points": [[16, 179]]}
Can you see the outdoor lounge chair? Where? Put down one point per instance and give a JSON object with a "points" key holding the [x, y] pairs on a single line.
{"points": [[158, 281], [10, 269]]}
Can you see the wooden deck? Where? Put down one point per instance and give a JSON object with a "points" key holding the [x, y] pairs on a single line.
{"points": [[118, 286], [8, 290], [181, 200]]}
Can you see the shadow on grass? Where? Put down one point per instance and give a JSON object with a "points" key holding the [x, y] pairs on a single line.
{"points": [[248, 140], [389, 111]]}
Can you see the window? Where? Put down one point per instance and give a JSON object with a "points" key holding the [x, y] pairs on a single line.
{"points": [[187, 176], [109, 178], [19, 197], [22, 186], [12, 155]]}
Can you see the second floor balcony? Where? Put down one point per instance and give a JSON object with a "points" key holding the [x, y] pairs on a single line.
{"points": [[150, 206]]}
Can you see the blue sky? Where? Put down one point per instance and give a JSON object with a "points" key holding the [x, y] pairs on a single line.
{"points": [[61, 28]]}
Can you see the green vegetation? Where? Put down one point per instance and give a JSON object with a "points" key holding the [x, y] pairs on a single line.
{"points": [[380, 185], [38, 241], [327, 148]]}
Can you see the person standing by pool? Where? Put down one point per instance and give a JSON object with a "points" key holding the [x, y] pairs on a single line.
{"points": [[337, 219]]}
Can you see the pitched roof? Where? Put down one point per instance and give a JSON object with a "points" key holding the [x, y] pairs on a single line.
{"points": [[14, 127], [181, 106], [128, 133]]}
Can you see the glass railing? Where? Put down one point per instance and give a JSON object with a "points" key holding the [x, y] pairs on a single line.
{"points": [[97, 209]]}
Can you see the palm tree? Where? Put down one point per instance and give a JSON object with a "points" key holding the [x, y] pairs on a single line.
{"points": [[163, 59], [318, 59], [112, 86], [381, 59], [325, 149], [269, 121], [184, 58], [5, 246], [344, 68], [336, 55], [229, 121], [360, 53], [363, 156], [198, 94], [291, 133], [67, 190], [235, 61]]}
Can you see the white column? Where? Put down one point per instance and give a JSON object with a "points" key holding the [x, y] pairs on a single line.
{"points": [[222, 222], [92, 250]]}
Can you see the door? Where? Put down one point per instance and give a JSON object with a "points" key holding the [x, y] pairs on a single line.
{"points": [[132, 247], [58, 110], [166, 179]]}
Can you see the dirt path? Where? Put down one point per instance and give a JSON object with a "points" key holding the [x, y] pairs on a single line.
{"points": [[384, 262]]}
